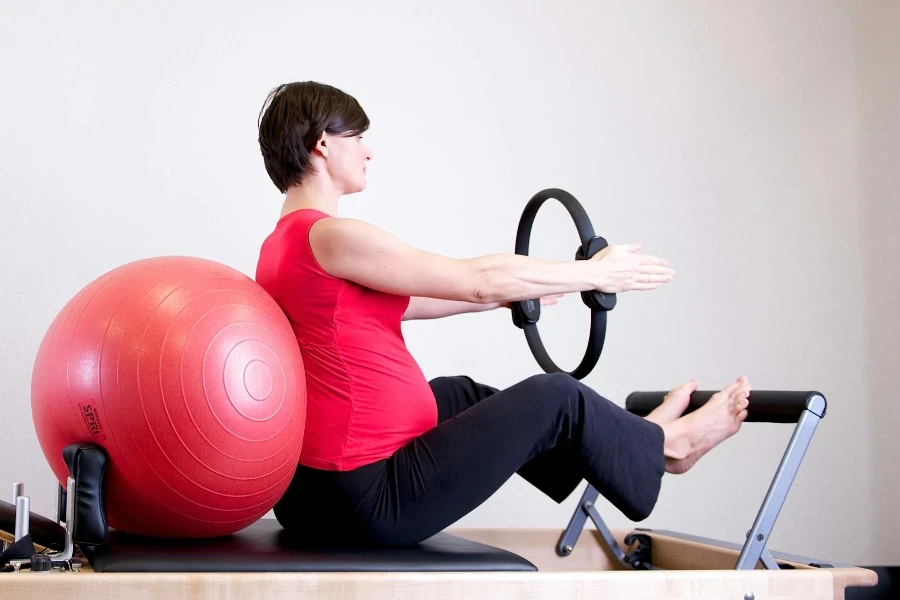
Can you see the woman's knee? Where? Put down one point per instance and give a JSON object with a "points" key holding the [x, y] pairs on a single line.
{"points": [[562, 392], [553, 392], [558, 387], [553, 381]]}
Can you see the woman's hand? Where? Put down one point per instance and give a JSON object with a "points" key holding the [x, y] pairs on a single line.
{"points": [[545, 301], [622, 269]]}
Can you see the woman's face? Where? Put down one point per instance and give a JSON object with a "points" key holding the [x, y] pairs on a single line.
{"points": [[347, 158]]}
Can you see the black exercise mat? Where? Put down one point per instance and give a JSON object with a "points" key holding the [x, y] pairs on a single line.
{"points": [[265, 546]]}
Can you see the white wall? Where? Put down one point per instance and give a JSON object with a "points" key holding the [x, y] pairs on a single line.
{"points": [[735, 140], [879, 158]]}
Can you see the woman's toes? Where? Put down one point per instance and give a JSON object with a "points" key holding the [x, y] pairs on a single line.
{"points": [[740, 404], [740, 394]]}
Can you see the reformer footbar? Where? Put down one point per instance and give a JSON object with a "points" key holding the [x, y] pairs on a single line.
{"points": [[805, 409]]}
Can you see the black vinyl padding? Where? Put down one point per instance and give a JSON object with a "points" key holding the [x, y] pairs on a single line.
{"points": [[265, 546], [87, 466], [766, 406]]}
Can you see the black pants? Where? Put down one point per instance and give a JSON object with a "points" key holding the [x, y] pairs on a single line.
{"points": [[552, 430]]}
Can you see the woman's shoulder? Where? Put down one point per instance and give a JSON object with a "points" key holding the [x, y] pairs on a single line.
{"points": [[302, 215]]}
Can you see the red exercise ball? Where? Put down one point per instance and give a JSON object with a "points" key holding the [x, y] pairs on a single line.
{"points": [[188, 374]]}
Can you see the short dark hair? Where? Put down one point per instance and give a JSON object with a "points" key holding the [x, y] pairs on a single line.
{"points": [[293, 118]]}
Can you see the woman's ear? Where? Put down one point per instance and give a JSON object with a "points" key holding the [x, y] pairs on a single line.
{"points": [[322, 145]]}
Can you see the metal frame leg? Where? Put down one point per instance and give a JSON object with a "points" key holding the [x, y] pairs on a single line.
{"points": [[755, 545], [576, 524], [585, 510]]}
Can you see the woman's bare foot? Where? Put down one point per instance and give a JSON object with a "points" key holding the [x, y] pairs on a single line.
{"points": [[674, 404], [690, 437]]}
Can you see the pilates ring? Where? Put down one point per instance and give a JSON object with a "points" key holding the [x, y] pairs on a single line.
{"points": [[527, 313]]}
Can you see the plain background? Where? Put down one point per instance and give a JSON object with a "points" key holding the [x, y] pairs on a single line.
{"points": [[753, 145]]}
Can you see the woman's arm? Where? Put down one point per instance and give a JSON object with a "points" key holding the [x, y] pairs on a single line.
{"points": [[421, 308], [435, 308], [360, 252]]}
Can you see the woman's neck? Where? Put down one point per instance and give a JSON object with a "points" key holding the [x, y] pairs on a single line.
{"points": [[316, 192]]}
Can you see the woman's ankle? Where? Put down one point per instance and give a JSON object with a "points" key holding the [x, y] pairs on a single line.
{"points": [[677, 444]]}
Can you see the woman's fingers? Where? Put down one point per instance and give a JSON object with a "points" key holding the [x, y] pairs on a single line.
{"points": [[655, 278], [655, 270], [652, 260], [551, 299], [627, 270]]}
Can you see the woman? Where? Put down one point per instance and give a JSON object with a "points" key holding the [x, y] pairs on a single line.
{"points": [[388, 457]]}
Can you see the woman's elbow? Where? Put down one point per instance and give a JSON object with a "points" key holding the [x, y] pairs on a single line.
{"points": [[485, 287]]}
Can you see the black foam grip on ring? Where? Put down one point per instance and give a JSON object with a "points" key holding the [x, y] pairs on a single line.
{"points": [[594, 299], [526, 313], [87, 466], [765, 406]]}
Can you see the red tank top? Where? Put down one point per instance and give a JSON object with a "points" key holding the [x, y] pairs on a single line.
{"points": [[366, 395]]}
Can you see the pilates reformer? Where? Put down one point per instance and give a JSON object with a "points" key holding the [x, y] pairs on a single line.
{"points": [[77, 554]]}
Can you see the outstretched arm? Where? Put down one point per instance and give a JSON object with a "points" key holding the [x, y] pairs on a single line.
{"points": [[359, 252], [421, 308], [435, 308]]}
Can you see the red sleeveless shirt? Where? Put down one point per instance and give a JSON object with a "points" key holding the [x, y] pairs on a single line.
{"points": [[366, 395]]}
